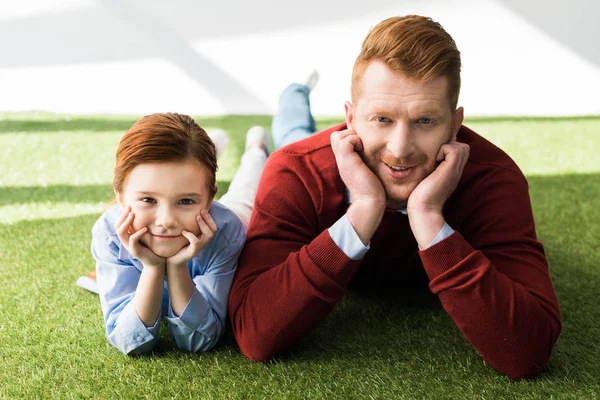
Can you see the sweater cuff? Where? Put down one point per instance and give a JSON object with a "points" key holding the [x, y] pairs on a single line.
{"points": [[444, 255], [331, 259]]}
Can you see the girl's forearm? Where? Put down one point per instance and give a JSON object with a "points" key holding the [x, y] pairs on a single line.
{"points": [[148, 296], [180, 286]]}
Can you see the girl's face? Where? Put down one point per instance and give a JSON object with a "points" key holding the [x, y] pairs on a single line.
{"points": [[166, 197]]}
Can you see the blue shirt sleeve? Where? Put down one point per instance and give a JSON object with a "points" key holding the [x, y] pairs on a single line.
{"points": [[344, 235], [117, 282], [202, 322], [445, 232], [346, 238]]}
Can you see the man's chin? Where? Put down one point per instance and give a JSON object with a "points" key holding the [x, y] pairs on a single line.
{"points": [[397, 199]]}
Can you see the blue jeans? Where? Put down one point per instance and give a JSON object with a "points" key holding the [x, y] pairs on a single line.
{"points": [[293, 120]]}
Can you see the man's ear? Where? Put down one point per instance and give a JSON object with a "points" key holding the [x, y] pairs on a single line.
{"points": [[349, 114], [459, 117]]}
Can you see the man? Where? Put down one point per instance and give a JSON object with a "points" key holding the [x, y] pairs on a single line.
{"points": [[400, 191]]}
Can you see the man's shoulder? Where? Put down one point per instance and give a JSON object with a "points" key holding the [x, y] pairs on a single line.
{"points": [[312, 155], [314, 145], [484, 155]]}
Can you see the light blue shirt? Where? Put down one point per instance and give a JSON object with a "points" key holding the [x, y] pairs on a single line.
{"points": [[343, 234], [202, 322]]}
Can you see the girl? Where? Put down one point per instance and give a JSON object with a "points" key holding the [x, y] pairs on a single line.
{"points": [[166, 249]]}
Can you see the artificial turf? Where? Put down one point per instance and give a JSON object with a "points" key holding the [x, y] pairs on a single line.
{"points": [[55, 176]]}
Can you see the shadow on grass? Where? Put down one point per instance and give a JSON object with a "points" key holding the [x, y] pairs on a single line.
{"points": [[117, 123], [235, 124], [55, 193], [67, 193], [66, 124]]}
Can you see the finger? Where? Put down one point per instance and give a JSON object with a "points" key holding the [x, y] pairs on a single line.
{"points": [[206, 232], [441, 154], [350, 144], [123, 229], [209, 220], [465, 151], [337, 136], [191, 249], [124, 214], [193, 239], [135, 238]]}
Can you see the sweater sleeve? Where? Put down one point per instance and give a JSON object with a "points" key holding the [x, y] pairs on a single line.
{"points": [[290, 274], [492, 278]]}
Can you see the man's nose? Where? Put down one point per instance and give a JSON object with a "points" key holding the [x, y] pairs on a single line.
{"points": [[400, 141]]}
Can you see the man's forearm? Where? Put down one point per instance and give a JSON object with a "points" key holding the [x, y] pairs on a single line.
{"points": [[512, 326], [272, 307], [425, 226], [365, 218]]}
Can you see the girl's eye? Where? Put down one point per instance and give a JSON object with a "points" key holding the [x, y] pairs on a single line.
{"points": [[187, 201], [148, 200]]}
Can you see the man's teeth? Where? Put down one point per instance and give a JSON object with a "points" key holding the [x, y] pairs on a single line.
{"points": [[398, 168]]}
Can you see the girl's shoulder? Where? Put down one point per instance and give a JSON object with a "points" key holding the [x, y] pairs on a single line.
{"points": [[105, 225], [229, 226]]}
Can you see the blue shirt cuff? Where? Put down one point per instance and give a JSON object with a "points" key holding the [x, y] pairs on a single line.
{"points": [[445, 232], [193, 316], [344, 235], [130, 333]]}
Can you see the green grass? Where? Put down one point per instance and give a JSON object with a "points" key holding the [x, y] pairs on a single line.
{"points": [[55, 175]]}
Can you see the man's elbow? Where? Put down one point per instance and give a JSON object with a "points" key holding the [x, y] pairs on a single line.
{"points": [[257, 345], [523, 364], [258, 350]]}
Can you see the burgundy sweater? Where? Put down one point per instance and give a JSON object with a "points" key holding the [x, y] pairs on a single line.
{"points": [[491, 275]]}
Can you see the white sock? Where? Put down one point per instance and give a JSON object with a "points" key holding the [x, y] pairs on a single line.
{"points": [[312, 79], [220, 138], [258, 134], [87, 283]]}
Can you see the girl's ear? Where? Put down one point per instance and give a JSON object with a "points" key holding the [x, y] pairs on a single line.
{"points": [[119, 198]]}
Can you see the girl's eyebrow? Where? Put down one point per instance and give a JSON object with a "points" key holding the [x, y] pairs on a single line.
{"points": [[192, 194], [147, 193]]}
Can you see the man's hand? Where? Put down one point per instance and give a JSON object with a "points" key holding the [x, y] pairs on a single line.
{"points": [[131, 240], [368, 196], [426, 201], [208, 228]]}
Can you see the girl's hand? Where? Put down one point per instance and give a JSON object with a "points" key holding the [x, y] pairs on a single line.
{"points": [[131, 240], [208, 227]]}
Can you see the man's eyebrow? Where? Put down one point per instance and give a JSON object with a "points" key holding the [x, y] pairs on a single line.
{"points": [[382, 111], [428, 112]]}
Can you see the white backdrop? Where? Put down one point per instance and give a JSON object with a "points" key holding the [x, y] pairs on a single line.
{"points": [[520, 57]]}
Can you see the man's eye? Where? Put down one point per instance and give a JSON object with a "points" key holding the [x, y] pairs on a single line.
{"points": [[148, 200], [187, 201], [425, 121], [383, 120]]}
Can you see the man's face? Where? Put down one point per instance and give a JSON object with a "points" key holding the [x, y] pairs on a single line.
{"points": [[166, 198], [402, 124]]}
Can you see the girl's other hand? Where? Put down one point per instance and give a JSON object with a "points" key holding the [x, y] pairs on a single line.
{"points": [[131, 240]]}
